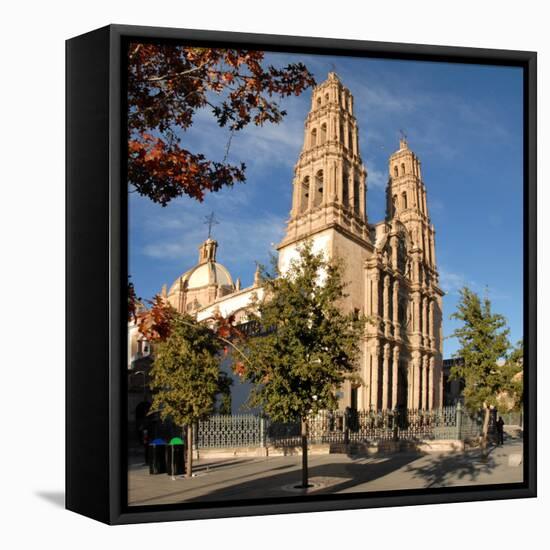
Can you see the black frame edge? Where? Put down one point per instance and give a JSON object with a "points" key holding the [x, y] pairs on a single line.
{"points": [[87, 379]]}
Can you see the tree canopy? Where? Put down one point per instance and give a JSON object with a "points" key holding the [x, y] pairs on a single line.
{"points": [[309, 345], [186, 375], [167, 84], [484, 345], [512, 386]]}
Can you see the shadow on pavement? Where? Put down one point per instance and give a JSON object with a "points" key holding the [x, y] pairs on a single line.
{"points": [[462, 466], [351, 474]]}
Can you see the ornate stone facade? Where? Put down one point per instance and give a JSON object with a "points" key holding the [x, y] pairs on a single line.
{"points": [[390, 266]]}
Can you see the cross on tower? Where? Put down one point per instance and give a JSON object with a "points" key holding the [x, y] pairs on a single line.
{"points": [[210, 221], [403, 135]]}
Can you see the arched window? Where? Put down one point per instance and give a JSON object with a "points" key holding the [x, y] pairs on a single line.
{"points": [[314, 137], [318, 199], [345, 196], [394, 205], [319, 101], [341, 134], [395, 171], [404, 200], [326, 98], [402, 169], [304, 194], [350, 140], [323, 132]]}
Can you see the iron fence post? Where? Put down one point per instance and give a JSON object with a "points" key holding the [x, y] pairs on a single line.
{"points": [[262, 431]]}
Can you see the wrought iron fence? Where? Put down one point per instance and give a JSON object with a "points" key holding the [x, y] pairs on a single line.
{"points": [[241, 430], [340, 427]]}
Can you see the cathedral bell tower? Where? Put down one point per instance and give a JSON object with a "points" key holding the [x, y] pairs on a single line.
{"points": [[329, 185], [406, 201], [412, 332], [329, 199]]}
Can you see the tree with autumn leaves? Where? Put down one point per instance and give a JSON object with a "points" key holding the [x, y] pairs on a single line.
{"points": [[168, 84]]}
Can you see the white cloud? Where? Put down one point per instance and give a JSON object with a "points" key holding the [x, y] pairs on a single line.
{"points": [[245, 235], [451, 282], [376, 179]]}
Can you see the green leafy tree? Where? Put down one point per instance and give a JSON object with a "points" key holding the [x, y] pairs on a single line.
{"points": [[309, 345], [186, 376], [483, 339], [512, 373]]}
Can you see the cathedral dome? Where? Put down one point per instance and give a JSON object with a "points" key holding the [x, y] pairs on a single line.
{"points": [[208, 272]]}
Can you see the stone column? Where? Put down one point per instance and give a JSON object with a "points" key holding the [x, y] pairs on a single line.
{"points": [[386, 303], [375, 298], [332, 182], [432, 244], [393, 243], [431, 323], [367, 376], [374, 377], [395, 377], [424, 320], [425, 202], [311, 198], [425, 382], [396, 308], [295, 198], [416, 380], [431, 383], [416, 305], [410, 385], [346, 137], [340, 182], [385, 377]]}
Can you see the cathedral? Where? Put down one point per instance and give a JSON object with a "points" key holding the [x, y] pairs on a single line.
{"points": [[389, 266]]}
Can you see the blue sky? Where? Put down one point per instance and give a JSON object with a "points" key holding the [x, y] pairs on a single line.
{"points": [[465, 123]]}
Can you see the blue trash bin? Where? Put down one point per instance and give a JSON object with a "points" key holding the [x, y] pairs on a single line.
{"points": [[157, 457]]}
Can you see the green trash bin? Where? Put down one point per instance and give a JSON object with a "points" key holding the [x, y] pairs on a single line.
{"points": [[175, 457]]}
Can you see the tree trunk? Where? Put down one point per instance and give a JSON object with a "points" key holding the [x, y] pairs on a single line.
{"points": [[305, 476], [189, 465], [485, 432]]}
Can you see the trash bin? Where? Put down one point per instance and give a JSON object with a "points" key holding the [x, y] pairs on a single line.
{"points": [[175, 457], [157, 456]]}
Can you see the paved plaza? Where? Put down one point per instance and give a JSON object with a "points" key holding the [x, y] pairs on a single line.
{"points": [[242, 478]]}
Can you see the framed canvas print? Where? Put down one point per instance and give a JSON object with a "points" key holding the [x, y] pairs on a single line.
{"points": [[300, 274]]}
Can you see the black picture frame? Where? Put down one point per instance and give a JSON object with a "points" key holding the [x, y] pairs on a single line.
{"points": [[96, 278]]}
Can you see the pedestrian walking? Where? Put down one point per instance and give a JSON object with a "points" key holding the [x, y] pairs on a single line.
{"points": [[500, 431]]}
